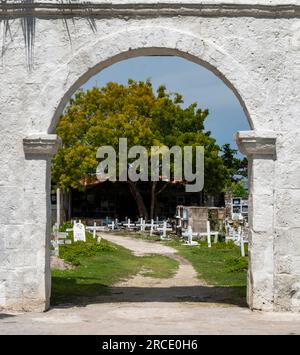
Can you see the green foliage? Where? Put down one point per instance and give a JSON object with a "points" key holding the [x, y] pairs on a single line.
{"points": [[67, 225], [238, 168], [214, 223], [101, 116], [238, 189], [158, 266], [224, 246], [211, 263], [73, 253], [95, 274], [237, 264]]}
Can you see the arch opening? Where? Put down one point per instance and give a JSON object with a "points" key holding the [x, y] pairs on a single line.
{"points": [[135, 54]]}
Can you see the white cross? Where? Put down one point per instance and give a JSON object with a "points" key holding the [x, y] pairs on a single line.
{"points": [[189, 233], [179, 221], [151, 225], [142, 224], [208, 234], [95, 228], [164, 229], [128, 224], [55, 241], [230, 233], [112, 225], [242, 242]]}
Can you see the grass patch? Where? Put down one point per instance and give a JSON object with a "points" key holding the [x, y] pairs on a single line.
{"points": [[76, 252], [101, 266], [158, 266], [220, 265], [237, 264]]}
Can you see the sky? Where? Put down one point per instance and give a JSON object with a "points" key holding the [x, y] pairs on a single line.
{"points": [[194, 82]]}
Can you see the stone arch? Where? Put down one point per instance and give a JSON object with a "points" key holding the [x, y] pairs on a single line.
{"points": [[258, 145], [33, 292], [137, 42]]}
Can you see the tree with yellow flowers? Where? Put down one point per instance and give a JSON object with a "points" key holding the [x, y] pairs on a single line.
{"points": [[101, 116]]}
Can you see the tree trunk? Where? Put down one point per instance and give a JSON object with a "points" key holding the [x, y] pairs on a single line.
{"points": [[153, 199], [154, 195], [139, 200], [66, 205]]}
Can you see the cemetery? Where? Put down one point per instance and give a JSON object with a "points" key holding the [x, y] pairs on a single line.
{"points": [[80, 244], [129, 248], [97, 250]]}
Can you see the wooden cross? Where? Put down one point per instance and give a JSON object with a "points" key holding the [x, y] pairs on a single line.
{"points": [[189, 234], [142, 224], [164, 230], [209, 234], [95, 228], [151, 225], [111, 225], [128, 224]]}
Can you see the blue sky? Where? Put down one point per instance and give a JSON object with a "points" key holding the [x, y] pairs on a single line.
{"points": [[194, 82]]}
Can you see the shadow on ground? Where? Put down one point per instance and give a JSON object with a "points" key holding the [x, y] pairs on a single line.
{"points": [[4, 316], [96, 293]]}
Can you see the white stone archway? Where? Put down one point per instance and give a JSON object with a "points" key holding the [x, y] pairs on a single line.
{"points": [[242, 45]]}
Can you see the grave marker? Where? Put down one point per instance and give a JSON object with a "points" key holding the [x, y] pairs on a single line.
{"points": [[151, 227], [95, 228], [164, 230], [208, 234], [129, 225], [141, 224], [111, 225], [79, 232], [55, 241], [189, 234]]}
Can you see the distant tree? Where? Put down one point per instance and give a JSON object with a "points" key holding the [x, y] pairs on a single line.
{"points": [[238, 168], [101, 116], [238, 189]]}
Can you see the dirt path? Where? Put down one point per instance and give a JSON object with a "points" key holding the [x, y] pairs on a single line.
{"points": [[142, 305], [185, 276], [184, 286]]}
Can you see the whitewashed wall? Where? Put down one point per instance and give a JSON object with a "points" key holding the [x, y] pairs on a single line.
{"points": [[255, 51]]}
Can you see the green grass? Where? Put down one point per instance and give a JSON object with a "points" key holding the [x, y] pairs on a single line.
{"points": [[102, 265], [97, 272], [158, 266], [220, 265]]}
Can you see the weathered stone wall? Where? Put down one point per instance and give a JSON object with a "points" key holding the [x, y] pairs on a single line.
{"points": [[254, 50]]}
